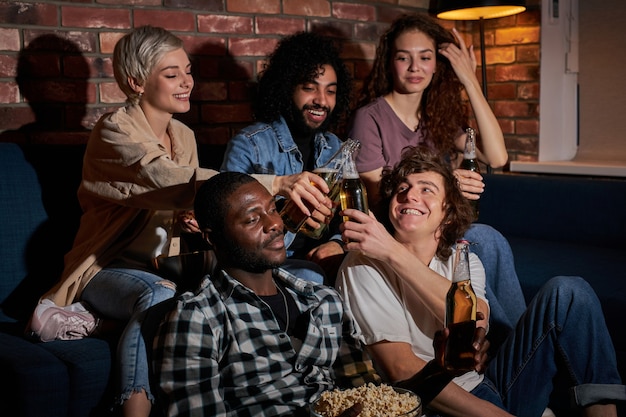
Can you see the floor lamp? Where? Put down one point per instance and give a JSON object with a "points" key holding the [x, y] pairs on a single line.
{"points": [[478, 10]]}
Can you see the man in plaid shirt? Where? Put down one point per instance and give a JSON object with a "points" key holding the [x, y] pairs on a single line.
{"points": [[253, 340]]}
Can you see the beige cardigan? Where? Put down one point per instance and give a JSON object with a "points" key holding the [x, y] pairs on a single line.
{"points": [[127, 174]]}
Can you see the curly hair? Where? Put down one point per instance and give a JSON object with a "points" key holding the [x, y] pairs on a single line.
{"points": [[297, 59], [458, 212], [443, 111]]}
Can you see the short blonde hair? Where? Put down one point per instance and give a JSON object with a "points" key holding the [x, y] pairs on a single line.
{"points": [[136, 54]]}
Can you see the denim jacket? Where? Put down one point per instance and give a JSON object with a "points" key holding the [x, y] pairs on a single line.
{"points": [[263, 148]]}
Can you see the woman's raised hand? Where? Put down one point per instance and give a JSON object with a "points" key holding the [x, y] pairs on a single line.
{"points": [[462, 58]]}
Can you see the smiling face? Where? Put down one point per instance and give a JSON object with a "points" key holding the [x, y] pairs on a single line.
{"points": [[418, 205], [315, 100], [253, 230], [413, 62], [169, 85]]}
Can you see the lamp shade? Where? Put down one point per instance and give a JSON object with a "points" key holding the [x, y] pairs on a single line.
{"points": [[477, 9]]}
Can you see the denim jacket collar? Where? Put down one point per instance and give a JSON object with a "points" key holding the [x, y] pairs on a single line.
{"points": [[287, 144]]}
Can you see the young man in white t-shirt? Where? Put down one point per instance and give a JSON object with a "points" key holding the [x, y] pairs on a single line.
{"points": [[395, 282]]}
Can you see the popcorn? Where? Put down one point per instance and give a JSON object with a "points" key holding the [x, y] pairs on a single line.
{"points": [[378, 400]]}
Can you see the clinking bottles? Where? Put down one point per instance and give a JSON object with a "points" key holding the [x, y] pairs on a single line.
{"points": [[332, 172], [460, 313], [470, 162]]}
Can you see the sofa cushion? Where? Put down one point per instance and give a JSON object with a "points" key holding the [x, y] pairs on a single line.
{"points": [[23, 214], [40, 215], [39, 382], [60, 378], [568, 226], [589, 211], [88, 363]]}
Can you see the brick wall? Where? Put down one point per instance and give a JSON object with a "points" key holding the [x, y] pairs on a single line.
{"points": [[56, 76]]}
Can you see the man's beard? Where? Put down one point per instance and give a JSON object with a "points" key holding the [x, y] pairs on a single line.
{"points": [[297, 123], [247, 260]]}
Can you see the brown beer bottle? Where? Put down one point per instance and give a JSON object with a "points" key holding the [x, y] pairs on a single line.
{"points": [[460, 313], [470, 162]]}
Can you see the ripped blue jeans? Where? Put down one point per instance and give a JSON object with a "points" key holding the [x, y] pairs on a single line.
{"points": [[126, 294]]}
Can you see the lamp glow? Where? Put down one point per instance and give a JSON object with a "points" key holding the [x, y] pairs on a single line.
{"points": [[484, 12]]}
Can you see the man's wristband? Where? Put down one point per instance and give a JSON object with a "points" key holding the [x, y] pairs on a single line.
{"points": [[428, 382]]}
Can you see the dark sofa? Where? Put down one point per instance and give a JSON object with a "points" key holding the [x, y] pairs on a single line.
{"points": [[40, 215], [565, 225], [556, 226]]}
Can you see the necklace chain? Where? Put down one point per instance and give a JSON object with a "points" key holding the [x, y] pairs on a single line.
{"points": [[286, 305]]}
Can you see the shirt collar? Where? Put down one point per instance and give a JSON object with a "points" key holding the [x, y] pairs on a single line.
{"points": [[226, 285]]}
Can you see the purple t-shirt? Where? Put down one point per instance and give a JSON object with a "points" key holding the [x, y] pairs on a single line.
{"points": [[382, 134]]}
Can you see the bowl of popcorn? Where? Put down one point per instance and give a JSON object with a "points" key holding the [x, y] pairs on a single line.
{"points": [[377, 401]]}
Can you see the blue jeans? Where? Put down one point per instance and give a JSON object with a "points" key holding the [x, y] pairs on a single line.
{"points": [[562, 334], [504, 292], [126, 294]]}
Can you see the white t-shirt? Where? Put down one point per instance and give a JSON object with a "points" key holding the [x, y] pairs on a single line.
{"points": [[387, 308]]}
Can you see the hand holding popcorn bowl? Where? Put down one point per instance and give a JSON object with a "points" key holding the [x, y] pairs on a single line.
{"points": [[377, 401]]}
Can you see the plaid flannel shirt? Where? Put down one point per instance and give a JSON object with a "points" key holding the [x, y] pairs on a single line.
{"points": [[221, 352]]}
